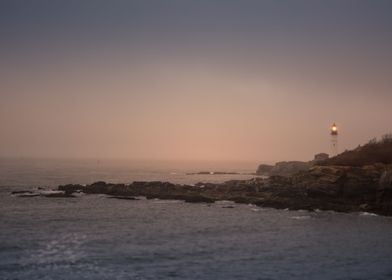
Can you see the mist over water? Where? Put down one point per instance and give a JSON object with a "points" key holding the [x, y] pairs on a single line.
{"points": [[53, 172]]}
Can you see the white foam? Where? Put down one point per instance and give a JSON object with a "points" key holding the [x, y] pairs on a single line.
{"points": [[368, 214], [51, 192], [224, 202], [300, 217]]}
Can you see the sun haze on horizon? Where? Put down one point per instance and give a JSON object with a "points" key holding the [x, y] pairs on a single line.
{"points": [[192, 80]]}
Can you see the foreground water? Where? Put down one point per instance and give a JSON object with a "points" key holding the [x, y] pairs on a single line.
{"points": [[94, 237]]}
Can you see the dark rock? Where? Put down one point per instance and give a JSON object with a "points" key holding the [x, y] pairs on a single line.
{"points": [[240, 199], [264, 169], [384, 193], [320, 157], [277, 180], [44, 194], [199, 198], [284, 168], [287, 168], [21, 192], [124, 197], [59, 194], [29, 195], [70, 188], [385, 181], [319, 182], [338, 188]]}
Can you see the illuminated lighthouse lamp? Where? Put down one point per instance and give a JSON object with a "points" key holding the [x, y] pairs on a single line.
{"points": [[334, 130]]}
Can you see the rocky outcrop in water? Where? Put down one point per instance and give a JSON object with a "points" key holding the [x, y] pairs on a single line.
{"points": [[338, 188], [283, 168]]}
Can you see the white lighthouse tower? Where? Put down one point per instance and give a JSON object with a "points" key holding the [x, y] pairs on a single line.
{"points": [[334, 140]]}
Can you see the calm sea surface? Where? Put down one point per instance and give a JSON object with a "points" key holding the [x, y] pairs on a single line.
{"points": [[94, 237]]}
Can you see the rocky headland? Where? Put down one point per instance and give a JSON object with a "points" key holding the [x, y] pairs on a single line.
{"points": [[338, 188], [332, 184]]}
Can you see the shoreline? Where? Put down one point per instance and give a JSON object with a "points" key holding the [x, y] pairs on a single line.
{"points": [[337, 188]]}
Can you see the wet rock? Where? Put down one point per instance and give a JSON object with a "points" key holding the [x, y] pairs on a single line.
{"points": [[70, 188], [58, 194], [42, 194], [384, 192], [198, 199], [21, 192], [124, 197], [338, 188], [29, 195]]}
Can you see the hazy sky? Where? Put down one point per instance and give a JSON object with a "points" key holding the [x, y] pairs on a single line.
{"points": [[219, 80]]}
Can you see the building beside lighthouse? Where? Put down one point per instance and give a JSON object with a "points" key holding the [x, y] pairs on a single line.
{"points": [[320, 157]]}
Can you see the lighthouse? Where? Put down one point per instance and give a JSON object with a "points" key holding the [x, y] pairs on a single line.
{"points": [[334, 140]]}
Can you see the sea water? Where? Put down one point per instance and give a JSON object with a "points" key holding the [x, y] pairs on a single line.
{"points": [[94, 237]]}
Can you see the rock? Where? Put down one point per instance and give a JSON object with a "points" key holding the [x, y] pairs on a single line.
{"points": [[287, 168], [385, 181], [360, 182], [62, 194], [21, 192], [283, 168], [364, 206], [241, 200], [338, 188], [43, 194], [124, 197], [278, 180], [97, 187], [69, 189], [29, 195], [264, 169], [199, 198], [320, 157], [384, 193]]}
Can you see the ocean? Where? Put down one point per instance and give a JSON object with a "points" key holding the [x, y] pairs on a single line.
{"points": [[94, 237]]}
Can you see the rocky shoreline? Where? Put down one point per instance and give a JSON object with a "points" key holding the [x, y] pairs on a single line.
{"points": [[337, 188]]}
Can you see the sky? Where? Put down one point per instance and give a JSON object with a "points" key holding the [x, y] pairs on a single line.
{"points": [[192, 80]]}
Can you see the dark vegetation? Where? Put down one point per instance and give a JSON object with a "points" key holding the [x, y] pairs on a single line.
{"points": [[371, 153]]}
